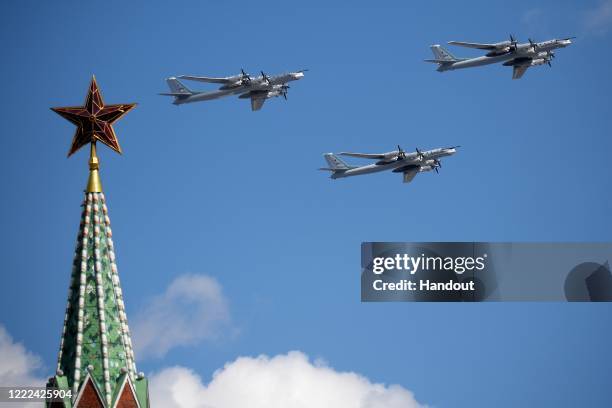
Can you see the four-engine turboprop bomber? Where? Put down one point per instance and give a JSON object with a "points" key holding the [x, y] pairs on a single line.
{"points": [[397, 161], [509, 52], [258, 88]]}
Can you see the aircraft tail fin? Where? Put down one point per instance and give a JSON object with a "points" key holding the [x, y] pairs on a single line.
{"points": [[335, 163], [442, 55], [177, 88]]}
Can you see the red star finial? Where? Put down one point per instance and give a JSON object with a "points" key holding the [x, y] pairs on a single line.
{"points": [[94, 120]]}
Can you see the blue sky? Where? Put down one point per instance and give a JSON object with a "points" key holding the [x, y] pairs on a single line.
{"points": [[216, 189]]}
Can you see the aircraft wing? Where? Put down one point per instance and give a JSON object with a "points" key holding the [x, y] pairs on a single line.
{"points": [[364, 155], [409, 174], [257, 103], [518, 71], [208, 79], [479, 46]]}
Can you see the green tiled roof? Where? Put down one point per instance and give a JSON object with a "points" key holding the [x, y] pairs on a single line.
{"points": [[95, 336]]}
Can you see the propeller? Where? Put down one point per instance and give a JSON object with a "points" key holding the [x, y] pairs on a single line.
{"points": [[513, 43], [420, 154], [245, 78], [283, 91], [265, 77], [549, 56], [401, 154], [534, 46], [437, 165]]}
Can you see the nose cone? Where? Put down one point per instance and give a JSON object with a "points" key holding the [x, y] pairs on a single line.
{"points": [[298, 75], [565, 43]]}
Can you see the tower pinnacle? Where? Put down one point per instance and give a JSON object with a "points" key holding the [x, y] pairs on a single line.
{"points": [[94, 184], [96, 362]]}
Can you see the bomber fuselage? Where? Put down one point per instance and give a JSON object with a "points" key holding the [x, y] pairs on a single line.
{"points": [[424, 161], [522, 51]]}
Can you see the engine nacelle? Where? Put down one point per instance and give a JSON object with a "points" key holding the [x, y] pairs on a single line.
{"points": [[230, 86], [500, 51], [538, 61]]}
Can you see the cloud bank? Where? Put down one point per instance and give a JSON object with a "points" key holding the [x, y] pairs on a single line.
{"points": [[284, 381], [18, 366], [192, 309]]}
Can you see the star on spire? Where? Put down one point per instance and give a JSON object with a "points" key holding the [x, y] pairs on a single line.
{"points": [[94, 120]]}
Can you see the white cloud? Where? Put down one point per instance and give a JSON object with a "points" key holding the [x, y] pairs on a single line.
{"points": [[599, 19], [192, 309], [284, 381], [18, 366]]}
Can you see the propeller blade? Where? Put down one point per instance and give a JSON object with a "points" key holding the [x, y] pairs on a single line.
{"points": [[513, 42], [245, 78], [534, 46], [400, 153]]}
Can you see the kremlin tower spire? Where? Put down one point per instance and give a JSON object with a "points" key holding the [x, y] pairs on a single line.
{"points": [[96, 360]]}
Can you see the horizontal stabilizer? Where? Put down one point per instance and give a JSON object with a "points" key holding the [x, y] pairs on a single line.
{"points": [[177, 94]]}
